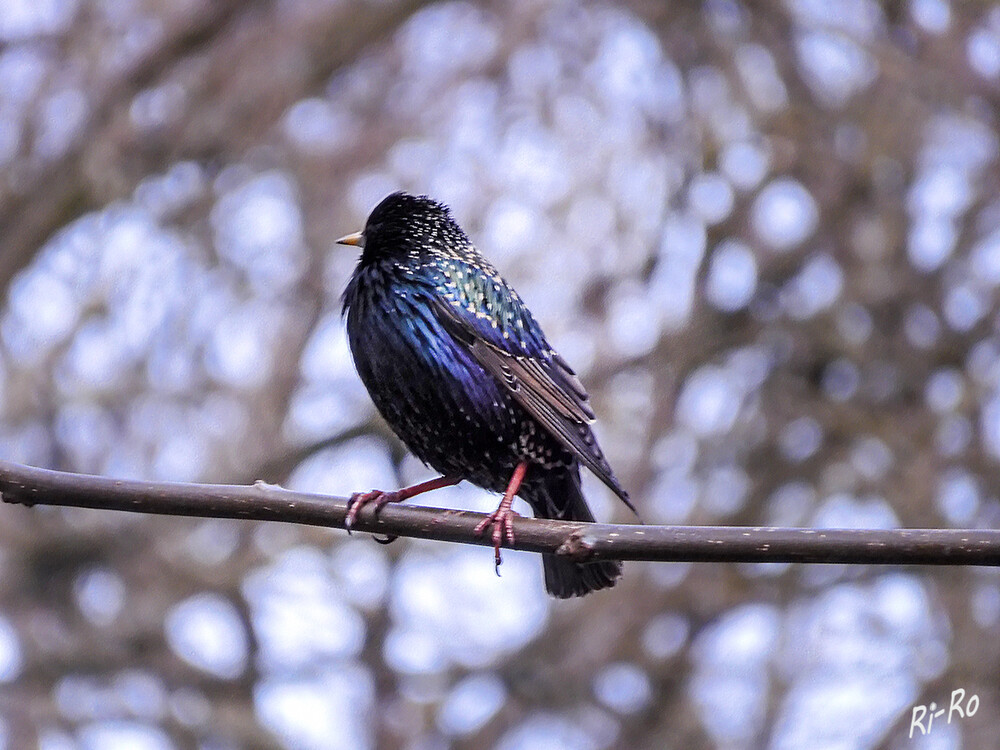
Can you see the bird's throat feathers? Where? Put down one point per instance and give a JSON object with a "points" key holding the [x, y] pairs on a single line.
{"points": [[415, 254]]}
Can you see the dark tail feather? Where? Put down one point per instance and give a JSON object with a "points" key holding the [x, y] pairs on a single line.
{"points": [[561, 498], [565, 578]]}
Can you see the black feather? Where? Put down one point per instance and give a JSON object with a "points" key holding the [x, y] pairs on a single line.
{"points": [[461, 371]]}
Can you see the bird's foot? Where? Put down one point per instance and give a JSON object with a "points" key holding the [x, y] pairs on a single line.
{"points": [[358, 500], [380, 498], [502, 520]]}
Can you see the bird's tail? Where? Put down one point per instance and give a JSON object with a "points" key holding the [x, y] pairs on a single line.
{"points": [[559, 497]]}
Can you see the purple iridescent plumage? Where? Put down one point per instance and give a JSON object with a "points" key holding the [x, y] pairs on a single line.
{"points": [[461, 371]]}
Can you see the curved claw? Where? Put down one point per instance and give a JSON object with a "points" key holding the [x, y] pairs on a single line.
{"points": [[502, 521], [360, 499]]}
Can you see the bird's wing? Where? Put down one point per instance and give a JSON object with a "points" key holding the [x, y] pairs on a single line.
{"points": [[547, 389]]}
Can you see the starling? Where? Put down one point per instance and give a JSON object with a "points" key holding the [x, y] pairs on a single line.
{"points": [[462, 373]]}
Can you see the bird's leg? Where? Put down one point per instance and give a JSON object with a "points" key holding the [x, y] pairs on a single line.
{"points": [[502, 518], [380, 498]]}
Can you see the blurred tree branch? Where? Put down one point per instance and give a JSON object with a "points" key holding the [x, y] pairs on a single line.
{"points": [[237, 62], [278, 468], [262, 502]]}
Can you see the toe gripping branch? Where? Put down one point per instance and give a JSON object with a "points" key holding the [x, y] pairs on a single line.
{"points": [[502, 519], [380, 499]]}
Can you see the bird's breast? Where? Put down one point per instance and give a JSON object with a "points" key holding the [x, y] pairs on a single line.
{"points": [[414, 370], [435, 396]]}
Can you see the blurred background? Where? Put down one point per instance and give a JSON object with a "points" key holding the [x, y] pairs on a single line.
{"points": [[767, 236]]}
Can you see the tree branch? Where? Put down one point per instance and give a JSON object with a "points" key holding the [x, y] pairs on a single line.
{"points": [[581, 541]]}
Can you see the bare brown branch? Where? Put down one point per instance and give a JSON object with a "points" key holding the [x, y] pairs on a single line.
{"points": [[262, 502]]}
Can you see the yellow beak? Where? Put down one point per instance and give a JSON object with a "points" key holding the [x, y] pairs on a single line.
{"points": [[357, 239]]}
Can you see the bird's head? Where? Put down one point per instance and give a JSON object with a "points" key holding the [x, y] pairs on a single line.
{"points": [[403, 225]]}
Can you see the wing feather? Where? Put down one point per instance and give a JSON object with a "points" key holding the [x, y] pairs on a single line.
{"points": [[549, 391]]}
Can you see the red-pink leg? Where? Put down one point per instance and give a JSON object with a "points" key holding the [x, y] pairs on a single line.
{"points": [[380, 499], [502, 518]]}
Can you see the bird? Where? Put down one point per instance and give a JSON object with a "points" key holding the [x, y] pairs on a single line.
{"points": [[463, 374]]}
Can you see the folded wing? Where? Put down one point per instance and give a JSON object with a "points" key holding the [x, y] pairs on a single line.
{"points": [[546, 387]]}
